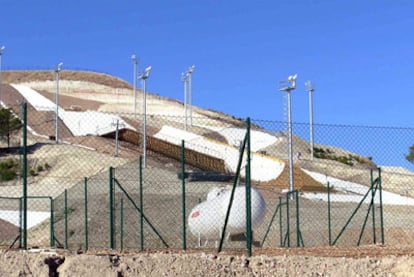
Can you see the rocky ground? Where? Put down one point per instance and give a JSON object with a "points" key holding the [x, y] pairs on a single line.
{"points": [[372, 261]]}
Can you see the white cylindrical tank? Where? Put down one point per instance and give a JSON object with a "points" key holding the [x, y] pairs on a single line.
{"points": [[206, 220]]}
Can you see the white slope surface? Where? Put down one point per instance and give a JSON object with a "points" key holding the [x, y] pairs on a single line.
{"points": [[235, 136], [33, 218], [79, 123], [355, 192], [262, 168]]}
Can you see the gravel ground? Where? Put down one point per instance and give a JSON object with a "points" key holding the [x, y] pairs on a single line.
{"points": [[282, 263]]}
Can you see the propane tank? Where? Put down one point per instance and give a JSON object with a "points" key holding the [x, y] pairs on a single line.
{"points": [[206, 220]]}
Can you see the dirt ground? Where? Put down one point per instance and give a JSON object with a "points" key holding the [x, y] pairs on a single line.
{"points": [[371, 261]]}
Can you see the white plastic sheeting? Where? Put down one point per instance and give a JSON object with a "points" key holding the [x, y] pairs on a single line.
{"points": [[79, 123], [234, 136], [354, 192], [262, 168], [33, 217]]}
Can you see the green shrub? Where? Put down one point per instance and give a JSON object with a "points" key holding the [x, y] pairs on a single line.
{"points": [[8, 170], [39, 168]]}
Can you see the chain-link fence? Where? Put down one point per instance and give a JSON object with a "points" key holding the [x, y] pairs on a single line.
{"points": [[85, 183]]}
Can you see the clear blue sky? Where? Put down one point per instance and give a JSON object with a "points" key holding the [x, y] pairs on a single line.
{"points": [[358, 54]]}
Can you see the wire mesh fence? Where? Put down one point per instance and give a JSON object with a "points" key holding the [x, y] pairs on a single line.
{"points": [[92, 187]]}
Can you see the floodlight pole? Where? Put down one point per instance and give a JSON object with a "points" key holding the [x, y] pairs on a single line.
{"points": [[310, 89], [184, 79], [135, 63], [57, 71], [1, 81], [291, 86], [190, 92], [144, 78]]}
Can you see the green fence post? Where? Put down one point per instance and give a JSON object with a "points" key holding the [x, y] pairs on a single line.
{"points": [[381, 206], [141, 215], [280, 222], [298, 234], [248, 196], [223, 232], [121, 233], [373, 209], [111, 210], [329, 215], [20, 221], [24, 175], [288, 219], [184, 217], [66, 219], [52, 229], [86, 213]]}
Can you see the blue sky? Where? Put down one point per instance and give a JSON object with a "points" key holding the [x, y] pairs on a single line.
{"points": [[358, 54]]}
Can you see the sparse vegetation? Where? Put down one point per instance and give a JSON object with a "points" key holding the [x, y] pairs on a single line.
{"points": [[328, 154], [8, 170]]}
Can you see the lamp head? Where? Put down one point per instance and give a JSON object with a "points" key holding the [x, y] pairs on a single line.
{"points": [[191, 69], [134, 58], [309, 87], [59, 66], [146, 73], [2, 49]]}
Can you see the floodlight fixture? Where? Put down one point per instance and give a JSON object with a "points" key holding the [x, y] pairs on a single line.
{"points": [[310, 90], [2, 49], [191, 69], [57, 71]]}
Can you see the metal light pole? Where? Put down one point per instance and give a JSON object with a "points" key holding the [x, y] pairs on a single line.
{"points": [[57, 71], [135, 63], [288, 86], [190, 92], [310, 89], [1, 81], [184, 79], [144, 76]]}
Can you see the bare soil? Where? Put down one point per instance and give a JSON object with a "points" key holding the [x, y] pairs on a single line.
{"points": [[280, 262]]}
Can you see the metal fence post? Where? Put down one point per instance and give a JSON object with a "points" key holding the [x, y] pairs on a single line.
{"points": [[66, 219], [248, 195], [374, 236], [52, 229], [381, 206], [111, 210], [121, 233], [329, 214], [86, 213], [24, 175], [183, 194], [141, 215]]}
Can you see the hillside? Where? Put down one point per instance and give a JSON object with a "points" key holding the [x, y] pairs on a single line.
{"points": [[85, 91]]}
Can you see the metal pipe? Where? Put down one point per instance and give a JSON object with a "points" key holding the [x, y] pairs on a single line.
{"points": [[144, 108], [57, 71], [135, 62], [290, 145]]}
